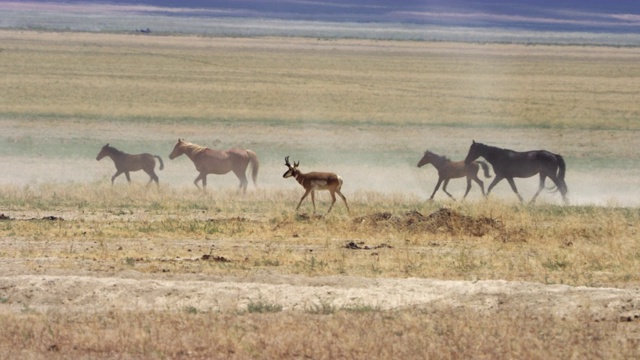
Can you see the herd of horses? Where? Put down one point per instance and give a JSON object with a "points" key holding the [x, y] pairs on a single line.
{"points": [[507, 164]]}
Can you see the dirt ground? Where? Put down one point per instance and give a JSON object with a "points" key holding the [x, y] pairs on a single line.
{"points": [[133, 291], [53, 282]]}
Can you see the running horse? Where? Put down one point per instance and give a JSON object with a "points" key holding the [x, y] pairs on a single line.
{"points": [[126, 163], [448, 170], [509, 164], [219, 162]]}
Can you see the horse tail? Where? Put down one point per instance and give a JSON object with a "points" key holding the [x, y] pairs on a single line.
{"points": [[485, 167], [562, 167], [160, 160], [255, 165]]}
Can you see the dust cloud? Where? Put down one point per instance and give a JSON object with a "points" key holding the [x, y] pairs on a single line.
{"points": [[370, 159]]}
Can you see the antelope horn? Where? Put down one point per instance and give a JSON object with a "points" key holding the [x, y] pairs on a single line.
{"points": [[296, 163], [286, 161]]}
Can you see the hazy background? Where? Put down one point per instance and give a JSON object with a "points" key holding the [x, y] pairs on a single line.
{"points": [[528, 21]]}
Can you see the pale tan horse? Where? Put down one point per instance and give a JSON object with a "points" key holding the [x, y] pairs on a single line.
{"points": [[126, 163], [219, 162], [448, 169]]}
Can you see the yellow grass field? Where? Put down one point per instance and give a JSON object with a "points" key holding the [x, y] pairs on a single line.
{"points": [[90, 270]]}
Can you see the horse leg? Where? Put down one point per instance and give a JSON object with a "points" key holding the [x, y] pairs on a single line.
{"points": [[562, 187], [242, 176], [540, 187], [302, 198], [514, 188], [345, 200], [153, 177], [480, 182], [204, 181], [436, 188], [495, 181], [126, 173], [198, 178], [468, 188], [113, 178], [563, 191], [444, 188]]}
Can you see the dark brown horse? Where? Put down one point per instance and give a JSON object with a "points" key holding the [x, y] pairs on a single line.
{"points": [[509, 164], [219, 162], [126, 163], [448, 169]]}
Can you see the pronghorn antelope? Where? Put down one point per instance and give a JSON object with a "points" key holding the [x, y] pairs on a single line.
{"points": [[316, 181]]}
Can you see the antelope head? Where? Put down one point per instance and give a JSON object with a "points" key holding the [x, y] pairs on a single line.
{"points": [[293, 170]]}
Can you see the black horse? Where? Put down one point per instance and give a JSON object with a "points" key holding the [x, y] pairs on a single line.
{"points": [[508, 164]]}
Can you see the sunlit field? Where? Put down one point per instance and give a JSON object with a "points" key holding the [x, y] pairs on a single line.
{"points": [[94, 270], [142, 79]]}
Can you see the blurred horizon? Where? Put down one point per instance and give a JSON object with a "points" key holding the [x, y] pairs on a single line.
{"points": [[588, 22], [540, 15]]}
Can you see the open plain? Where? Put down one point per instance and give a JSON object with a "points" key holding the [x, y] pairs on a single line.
{"points": [[91, 270]]}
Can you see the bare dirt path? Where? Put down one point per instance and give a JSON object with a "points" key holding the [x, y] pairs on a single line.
{"points": [[174, 293]]}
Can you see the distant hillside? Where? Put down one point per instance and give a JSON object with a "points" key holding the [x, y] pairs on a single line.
{"points": [[617, 16], [587, 22]]}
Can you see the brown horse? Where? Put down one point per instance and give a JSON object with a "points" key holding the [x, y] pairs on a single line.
{"points": [[209, 161], [127, 162], [448, 169]]}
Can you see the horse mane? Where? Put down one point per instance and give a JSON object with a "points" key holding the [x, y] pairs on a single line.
{"points": [[195, 149], [440, 157], [115, 151], [494, 148], [490, 146]]}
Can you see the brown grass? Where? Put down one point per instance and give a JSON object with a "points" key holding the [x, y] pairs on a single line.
{"points": [[124, 76], [591, 246], [434, 333], [183, 234]]}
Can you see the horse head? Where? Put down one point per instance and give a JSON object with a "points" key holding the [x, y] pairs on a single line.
{"points": [[426, 158], [103, 152], [177, 150], [475, 151]]}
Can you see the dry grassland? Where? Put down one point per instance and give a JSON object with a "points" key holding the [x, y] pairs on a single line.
{"points": [[128, 77], [90, 270], [161, 273]]}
